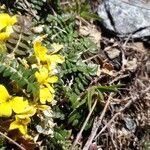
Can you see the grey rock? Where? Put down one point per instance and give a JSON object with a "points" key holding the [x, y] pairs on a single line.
{"points": [[113, 53], [126, 17], [130, 124]]}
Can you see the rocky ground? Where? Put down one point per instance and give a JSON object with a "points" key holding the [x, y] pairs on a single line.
{"points": [[124, 122]]}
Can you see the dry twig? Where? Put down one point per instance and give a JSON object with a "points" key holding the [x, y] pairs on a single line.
{"points": [[133, 99], [96, 125]]}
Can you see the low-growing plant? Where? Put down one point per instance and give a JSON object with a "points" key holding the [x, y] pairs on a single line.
{"points": [[45, 81], [34, 93]]}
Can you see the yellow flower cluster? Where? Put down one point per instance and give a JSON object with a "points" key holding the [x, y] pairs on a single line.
{"points": [[13, 104], [46, 65], [6, 23], [18, 105]]}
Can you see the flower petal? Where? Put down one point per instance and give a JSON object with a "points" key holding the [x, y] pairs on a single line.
{"points": [[4, 95], [16, 125], [4, 36], [19, 105], [24, 121], [29, 112], [42, 75], [56, 58], [40, 51], [45, 95], [6, 20], [5, 109], [42, 107], [52, 79], [53, 60], [50, 87]]}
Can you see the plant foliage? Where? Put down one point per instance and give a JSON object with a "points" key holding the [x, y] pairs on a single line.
{"points": [[24, 78], [75, 92]]}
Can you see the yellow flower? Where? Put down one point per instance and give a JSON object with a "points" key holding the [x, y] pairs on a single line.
{"points": [[42, 107], [52, 79], [28, 112], [46, 92], [24, 112], [16, 104], [5, 35], [50, 87], [40, 51], [6, 23], [4, 95], [5, 109], [6, 20], [45, 95], [5, 106], [42, 76], [20, 124], [51, 59]]}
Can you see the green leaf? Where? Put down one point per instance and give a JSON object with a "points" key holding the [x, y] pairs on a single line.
{"points": [[90, 94], [101, 96], [107, 88], [75, 122], [1, 68], [62, 134], [78, 103], [7, 72], [88, 16], [92, 69], [18, 73], [75, 100], [73, 116]]}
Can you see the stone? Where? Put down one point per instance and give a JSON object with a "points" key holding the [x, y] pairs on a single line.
{"points": [[113, 53], [126, 17]]}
